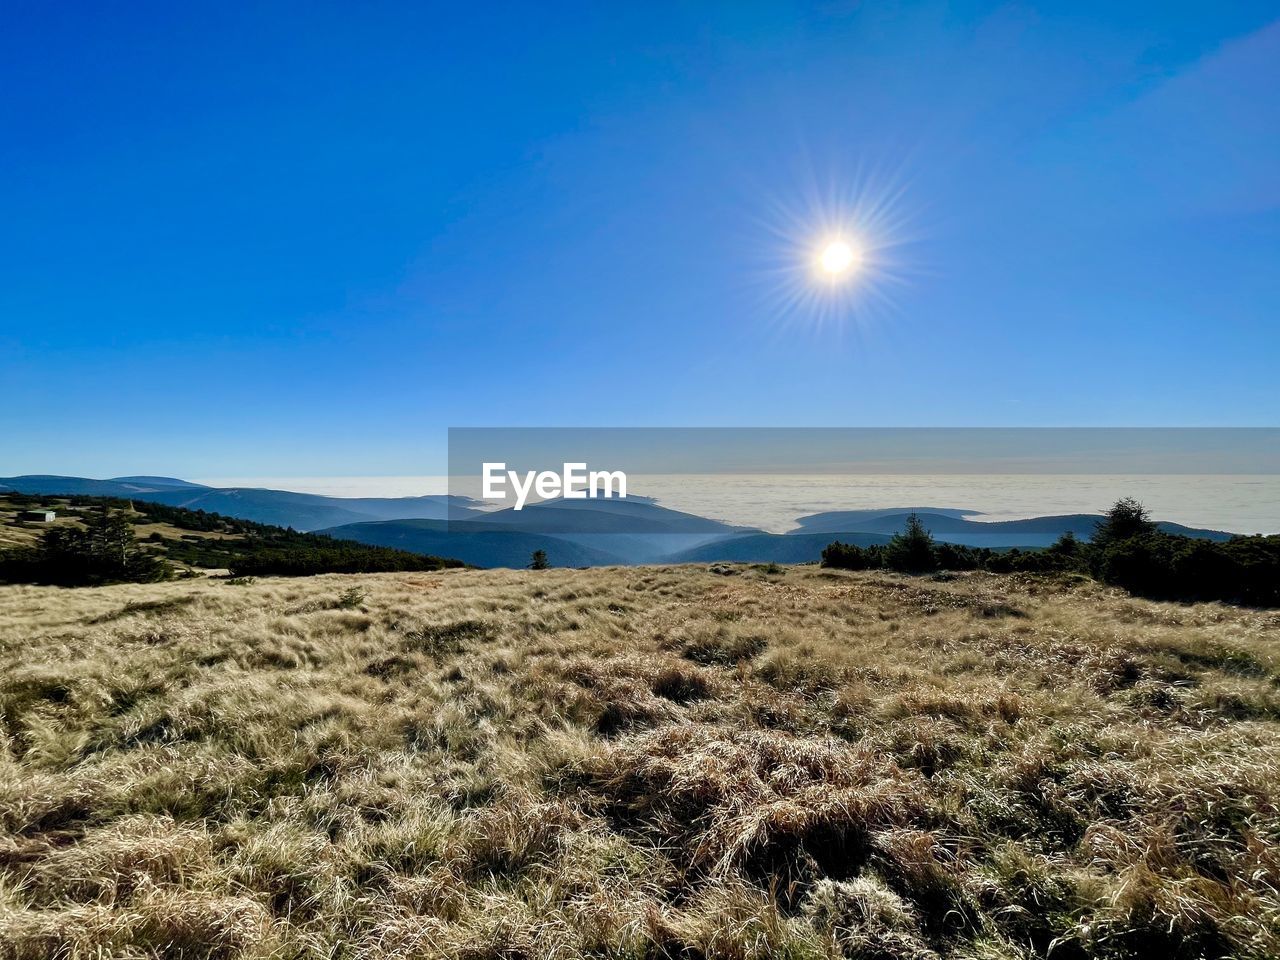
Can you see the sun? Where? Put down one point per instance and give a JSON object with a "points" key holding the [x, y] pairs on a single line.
{"points": [[839, 259], [834, 250]]}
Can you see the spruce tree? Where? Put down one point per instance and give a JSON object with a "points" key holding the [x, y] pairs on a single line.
{"points": [[912, 550]]}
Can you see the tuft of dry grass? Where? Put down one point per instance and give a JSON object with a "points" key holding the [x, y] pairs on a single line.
{"points": [[640, 762]]}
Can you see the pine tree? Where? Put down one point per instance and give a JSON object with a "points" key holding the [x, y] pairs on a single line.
{"points": [[103, 552], [1126, 519], [912, 550]]}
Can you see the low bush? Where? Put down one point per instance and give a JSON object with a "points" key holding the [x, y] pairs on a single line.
{"points": [[1126, 551]]}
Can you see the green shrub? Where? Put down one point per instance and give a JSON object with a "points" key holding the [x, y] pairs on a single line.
{"points": [[1127, 551], [849, 556], [350, 599], [1170, 567]]}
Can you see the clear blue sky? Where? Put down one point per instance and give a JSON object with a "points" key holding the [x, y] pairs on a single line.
{"points": [[284, 239]]}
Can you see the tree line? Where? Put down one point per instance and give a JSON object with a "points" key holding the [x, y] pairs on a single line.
{"points": [[1126, 550], [103, 548]]}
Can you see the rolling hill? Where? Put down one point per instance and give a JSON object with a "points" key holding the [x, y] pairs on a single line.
{"points": [[282, 508], [634, 528], [771, 548], [474, 544], [952, 527], [40, 484], [188, 542], [594, 532]]}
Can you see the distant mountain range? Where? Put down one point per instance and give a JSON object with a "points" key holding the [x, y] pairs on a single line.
{"points": [[302, 511], [771, 548], [574, 533], [952, 527], [475, 544]]}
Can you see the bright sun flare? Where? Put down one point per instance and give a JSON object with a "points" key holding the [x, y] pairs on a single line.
{"points": [[838, 258]]}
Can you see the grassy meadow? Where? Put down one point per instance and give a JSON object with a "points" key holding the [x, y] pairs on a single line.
{"points": [[642, 762]]}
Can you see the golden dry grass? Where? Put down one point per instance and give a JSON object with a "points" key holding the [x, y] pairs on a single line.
{"points": [[643, 762]]}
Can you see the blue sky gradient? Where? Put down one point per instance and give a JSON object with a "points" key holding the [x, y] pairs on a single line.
{"points": [[304, 239]]}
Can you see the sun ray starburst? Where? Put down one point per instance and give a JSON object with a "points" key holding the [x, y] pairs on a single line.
{"points": [[834, 256]]}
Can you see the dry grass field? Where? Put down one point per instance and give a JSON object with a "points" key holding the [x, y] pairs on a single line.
{"points": [[641, 762]]}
